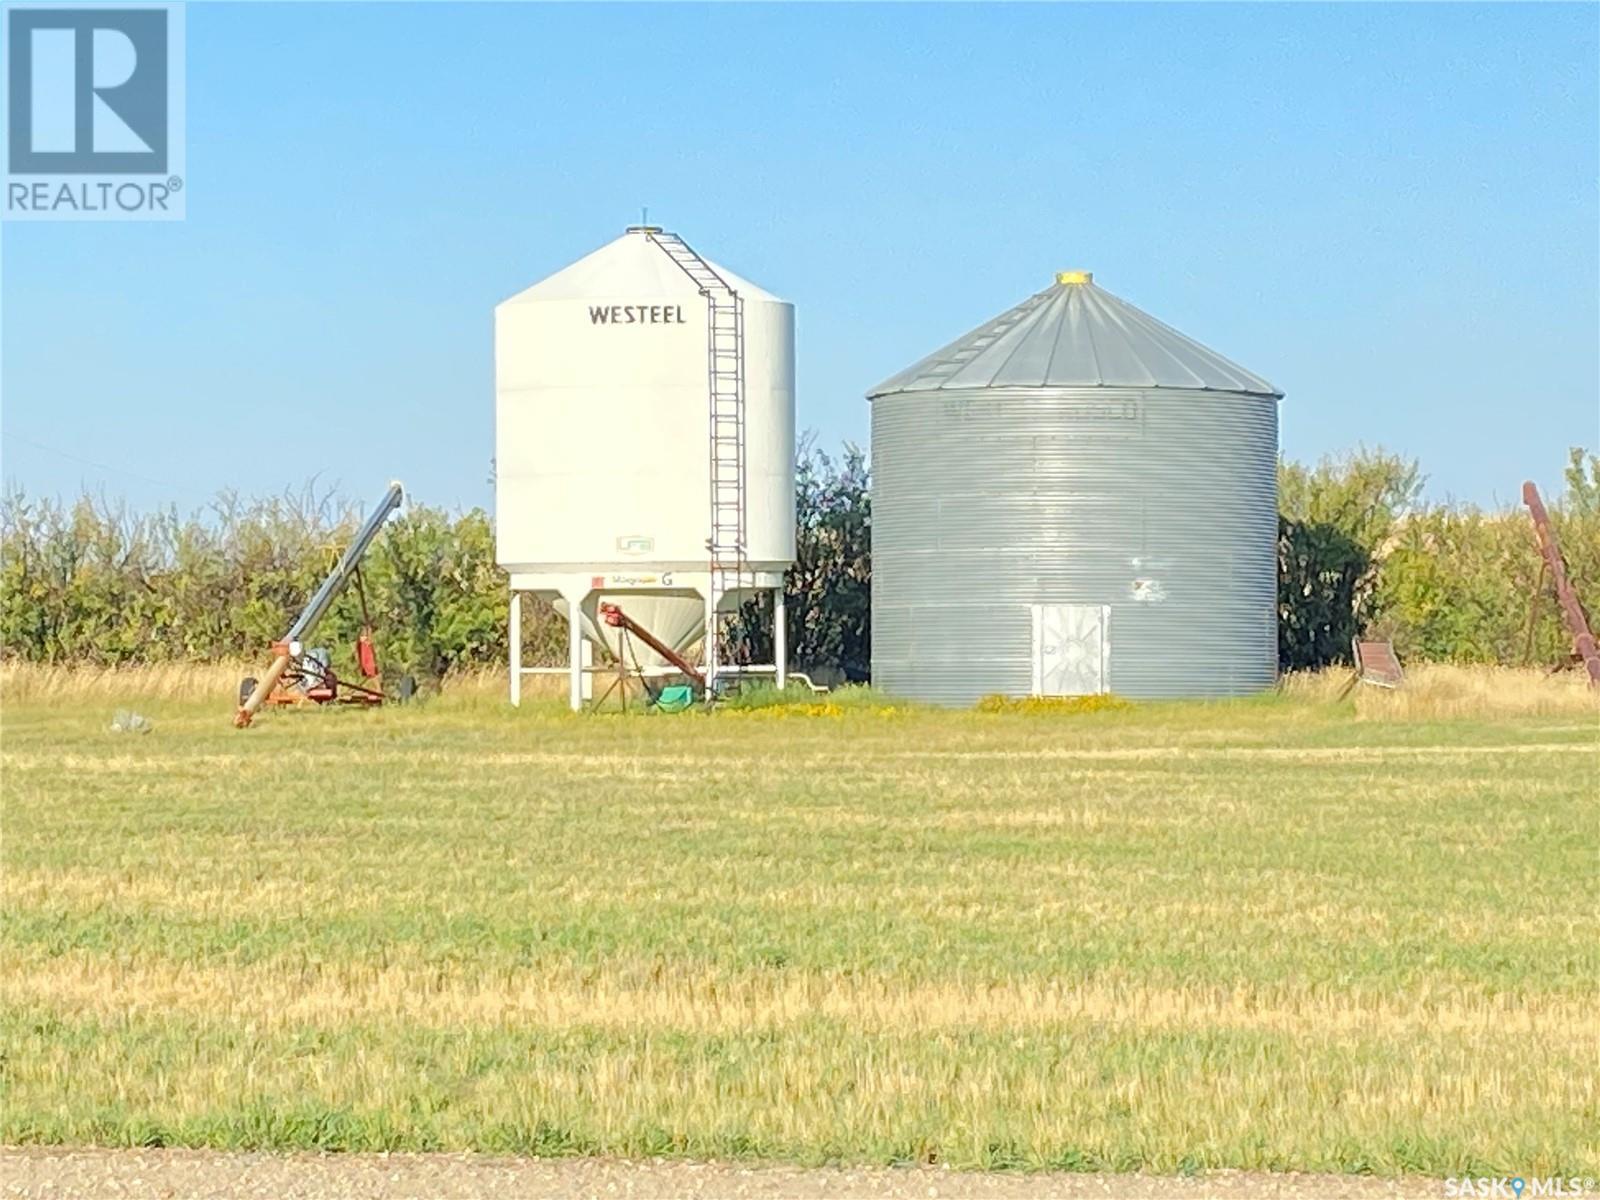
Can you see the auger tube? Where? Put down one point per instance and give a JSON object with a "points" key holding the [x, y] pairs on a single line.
{"points": [[339, 577], [314, 611]]}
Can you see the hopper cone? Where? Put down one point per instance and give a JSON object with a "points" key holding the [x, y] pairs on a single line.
{"points": [[677, 620]]}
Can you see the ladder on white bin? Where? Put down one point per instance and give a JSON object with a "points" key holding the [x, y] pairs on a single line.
{"points": [[727, 546]]}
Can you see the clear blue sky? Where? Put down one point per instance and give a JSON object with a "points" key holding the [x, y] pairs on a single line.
{"points": [[1390, 212]]}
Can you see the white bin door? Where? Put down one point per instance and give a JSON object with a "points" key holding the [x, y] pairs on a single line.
{"points": [[1071, 649]]}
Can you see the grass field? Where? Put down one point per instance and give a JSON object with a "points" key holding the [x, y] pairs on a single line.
{"points": [[1289, 933]]}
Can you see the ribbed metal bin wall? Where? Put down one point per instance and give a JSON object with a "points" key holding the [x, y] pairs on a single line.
{"points": [[1160, 503]]}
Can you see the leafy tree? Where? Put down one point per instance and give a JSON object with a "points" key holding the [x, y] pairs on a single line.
{"points": [[1334, 521], [1465, 585], [1582, 498], [93, 583], [828, 591]]}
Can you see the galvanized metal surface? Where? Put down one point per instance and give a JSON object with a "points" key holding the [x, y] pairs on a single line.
{"points": [[345, 569], [1075, 335], [1161, 503]]}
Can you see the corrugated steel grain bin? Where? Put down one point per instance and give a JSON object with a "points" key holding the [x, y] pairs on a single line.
{"points": [[1071, 499]]}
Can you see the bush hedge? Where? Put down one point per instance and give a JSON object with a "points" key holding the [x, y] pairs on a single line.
{"points": [[90, 581]]}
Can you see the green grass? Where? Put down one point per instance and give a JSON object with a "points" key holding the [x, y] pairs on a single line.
{"points": [[1256, 935]]}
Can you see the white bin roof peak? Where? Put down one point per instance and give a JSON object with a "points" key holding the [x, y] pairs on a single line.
{"points": [[631, 265], [1075, 335]]}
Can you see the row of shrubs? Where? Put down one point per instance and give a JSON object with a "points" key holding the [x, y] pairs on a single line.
{"points": [[92, 581], [1359, 551]]}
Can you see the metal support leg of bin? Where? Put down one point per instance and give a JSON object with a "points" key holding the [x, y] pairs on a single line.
{"points": [[780, 638], [516, 649], [575, 653]]}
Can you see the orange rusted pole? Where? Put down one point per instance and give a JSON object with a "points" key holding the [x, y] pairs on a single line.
{"points": [[1572, 613], [612, 615], [257, 698]]}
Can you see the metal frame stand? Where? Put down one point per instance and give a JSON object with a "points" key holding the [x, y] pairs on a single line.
{"points": [[780, 639], [574, 653], [578, 658], [516, 649]]}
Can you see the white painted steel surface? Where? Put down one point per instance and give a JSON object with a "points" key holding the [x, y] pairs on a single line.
{"points": [[601, 418], [602, 426]]}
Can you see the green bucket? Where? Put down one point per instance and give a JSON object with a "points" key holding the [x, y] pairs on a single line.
{"points": [[675, 699]]}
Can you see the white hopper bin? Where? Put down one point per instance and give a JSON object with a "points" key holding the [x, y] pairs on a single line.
{"points": [[603, 447]]}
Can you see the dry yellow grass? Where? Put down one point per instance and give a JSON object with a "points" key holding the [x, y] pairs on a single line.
{"points": [[32, 683], [1434, 691], [35, 683], [638, 998], [1431, 691]]}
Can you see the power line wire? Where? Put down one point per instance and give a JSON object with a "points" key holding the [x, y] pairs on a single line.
{"points": [[100, 466]]}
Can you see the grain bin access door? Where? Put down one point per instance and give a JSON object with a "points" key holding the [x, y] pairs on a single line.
{"points": [[1071, 649]]}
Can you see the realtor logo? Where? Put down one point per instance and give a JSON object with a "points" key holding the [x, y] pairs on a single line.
{"points": [[94, 104], [88, 91]]}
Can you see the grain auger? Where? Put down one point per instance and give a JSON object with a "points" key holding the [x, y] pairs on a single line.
{"points": [[303, 675]]}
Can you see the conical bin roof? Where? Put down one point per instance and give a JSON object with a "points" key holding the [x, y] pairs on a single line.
{"points": [[1075, 335], [630, 265]]}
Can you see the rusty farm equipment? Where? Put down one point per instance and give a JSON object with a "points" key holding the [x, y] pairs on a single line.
{"points": [[1554, 568], [300, 675], [671, 698]]}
